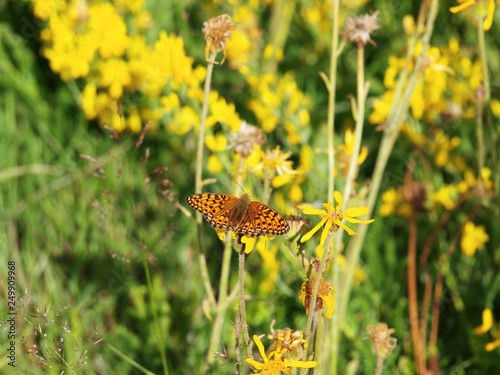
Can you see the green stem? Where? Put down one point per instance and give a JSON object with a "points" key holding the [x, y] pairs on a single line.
{"points": [[387, 143], [318, 338], [331, 99], [481, 103], [243, 312], [281, 19], [312, 303], [348, 187], [222, 304], [199, 184], [484, 61]]}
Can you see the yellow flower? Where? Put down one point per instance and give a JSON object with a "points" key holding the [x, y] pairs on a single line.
{"points": [[487, 323], [495, 107], [481, 9], [248, 242], [332, 218], [274, 364], [275, 162], [446, 196], [216, 143], [214, 164], [115, 74], [473, 238], [344, 152]]}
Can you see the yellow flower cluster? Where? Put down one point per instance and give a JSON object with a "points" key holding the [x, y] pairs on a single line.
{"points": [[279, 102], [474, 237], [446, 88], [104, 44]]}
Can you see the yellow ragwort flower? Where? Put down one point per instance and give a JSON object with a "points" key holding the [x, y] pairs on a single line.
{"points": [[481, 9], [332, 218], [274, 364], [473, 238]]}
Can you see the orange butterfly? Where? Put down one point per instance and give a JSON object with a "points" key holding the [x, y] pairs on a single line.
{"points": [[240, 215]]}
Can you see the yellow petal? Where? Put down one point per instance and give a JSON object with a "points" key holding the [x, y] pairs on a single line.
{"points": [[463, 6], [309, 234], [349, 231], [261, 348], [301, 364], [489, 18], [487, 322], [311, 210], [356, 211], [324, 234], [255, 364], [249, 243], [356, 221], [339, 199]]}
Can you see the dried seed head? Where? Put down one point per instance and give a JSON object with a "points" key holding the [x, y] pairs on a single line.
{"points": [[217, 32], [358, 29], [382, 342], [414, 192], [244, 140]]}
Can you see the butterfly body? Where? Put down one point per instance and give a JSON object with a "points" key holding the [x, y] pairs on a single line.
{"points": [[240, 215]]}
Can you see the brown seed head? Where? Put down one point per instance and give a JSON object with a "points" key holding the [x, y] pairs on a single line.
{"points": [[244, 140], [217, 33], [358, 29], [382, 342]]}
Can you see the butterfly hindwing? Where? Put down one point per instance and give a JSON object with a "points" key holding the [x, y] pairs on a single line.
{"points": [[267, 220]]}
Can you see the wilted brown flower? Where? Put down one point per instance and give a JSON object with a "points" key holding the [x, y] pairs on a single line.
{"points": [[217, 32], [296, 222], [324, 298], [358, 29], [382, 342], [244, 140], [414, 193]]}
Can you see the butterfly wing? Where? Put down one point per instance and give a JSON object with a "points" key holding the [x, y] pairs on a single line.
{"points": [[215, 207], [260, 220]]}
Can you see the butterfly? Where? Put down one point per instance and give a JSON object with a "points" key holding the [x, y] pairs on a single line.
{"points": [[240, 215]]}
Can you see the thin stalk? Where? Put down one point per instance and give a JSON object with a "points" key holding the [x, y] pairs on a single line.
{"points": [[318, 340], [413, 294], [243, 313], [199, 183], [479, 135], [484, 61], [380, 366], [331, 86], [349, 183], [312, 303], [224, 282], [386, 146], [331, 99]]}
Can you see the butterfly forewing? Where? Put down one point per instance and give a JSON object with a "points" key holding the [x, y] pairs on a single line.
{"points": [[211, 204], [223, 211]]}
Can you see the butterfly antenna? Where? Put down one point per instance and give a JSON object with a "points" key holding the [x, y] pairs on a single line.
{"points": [[236, 182], [255, 188]]}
